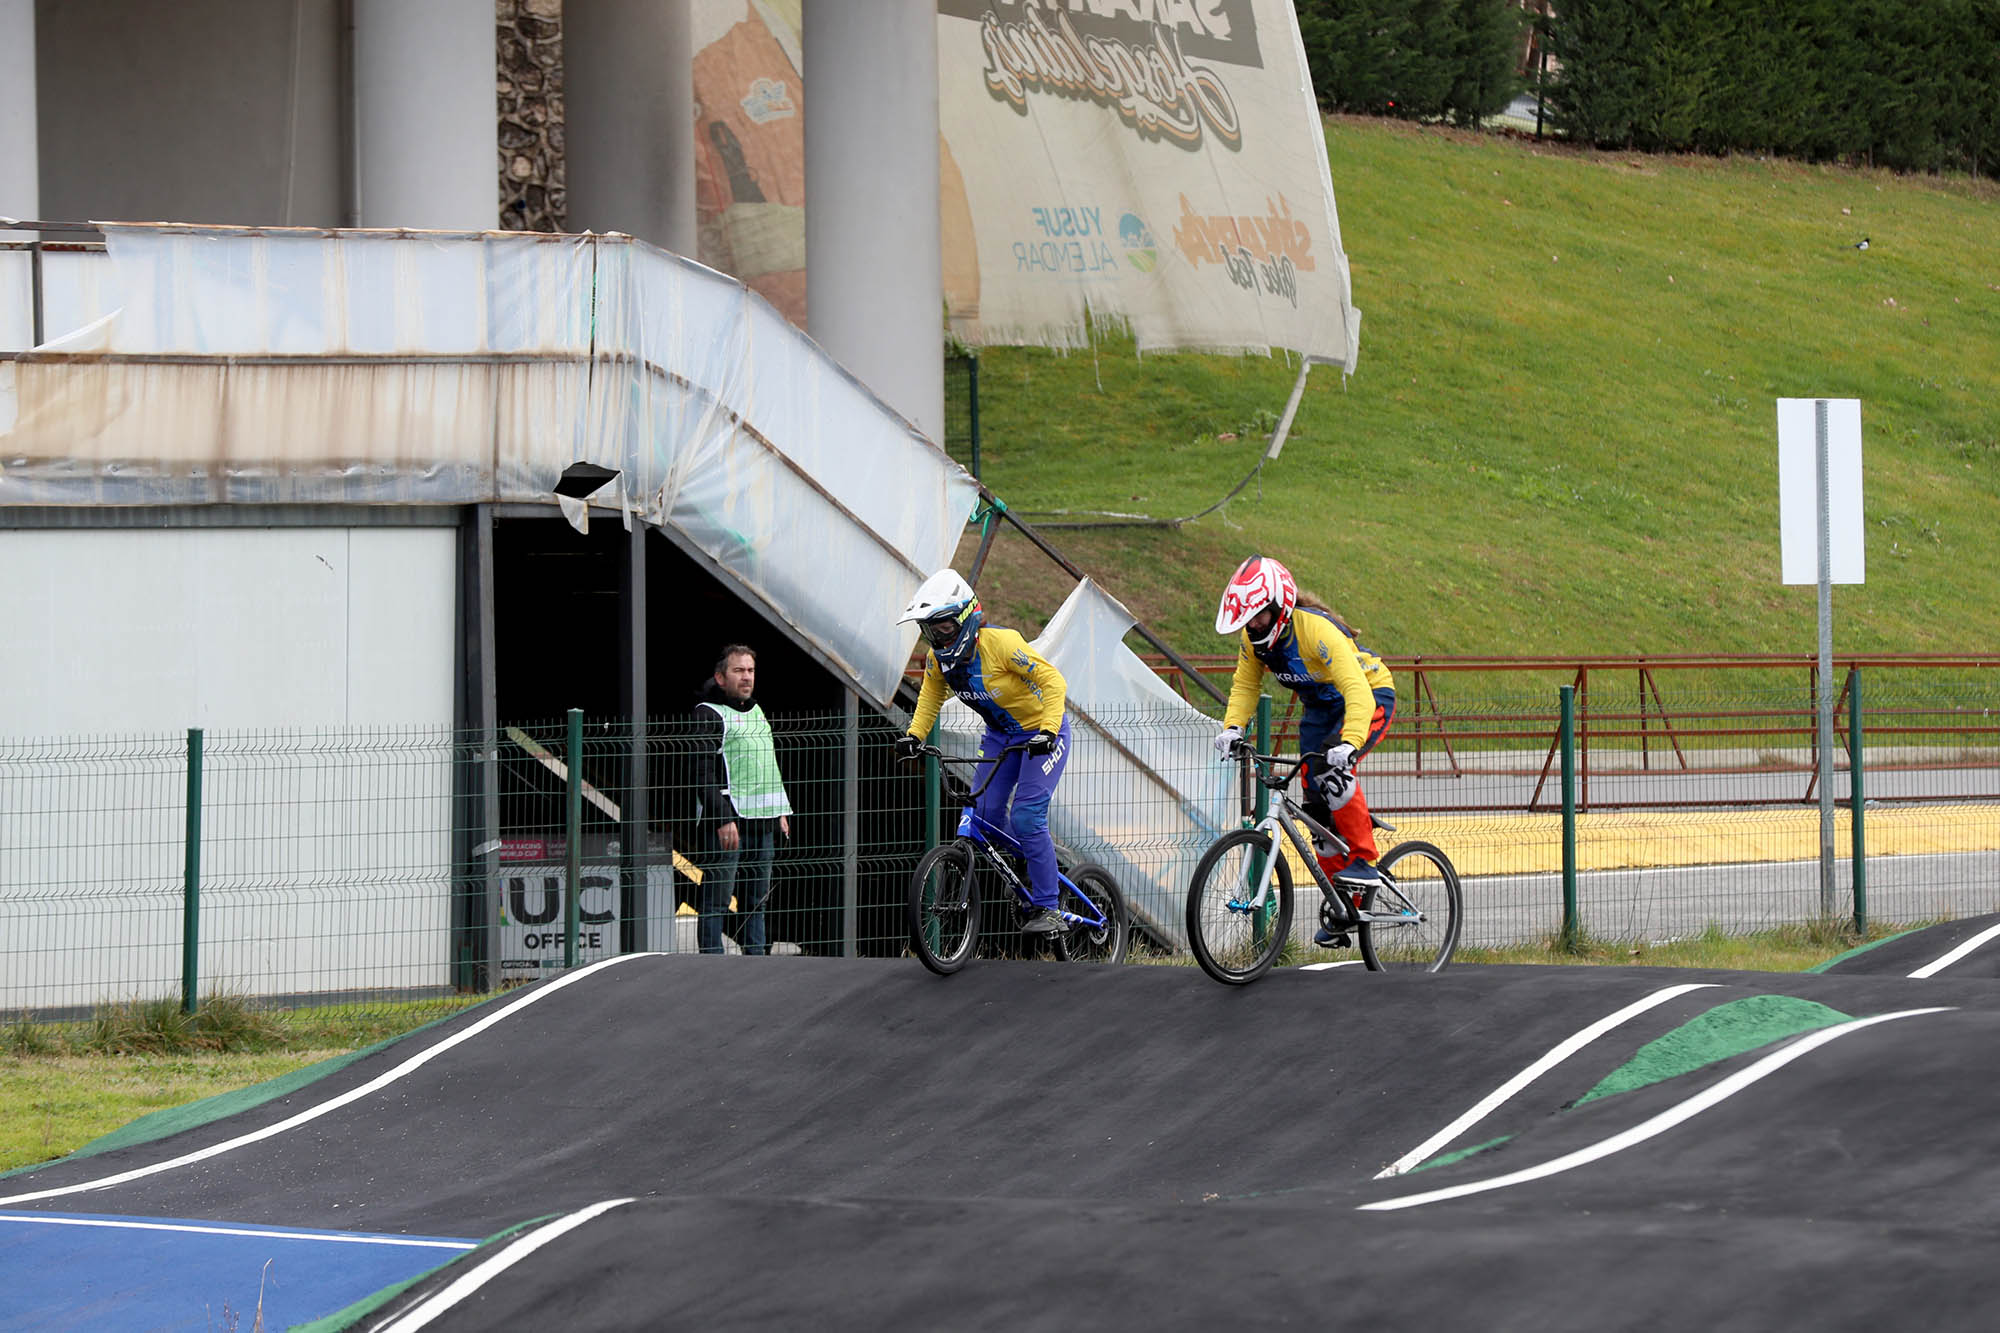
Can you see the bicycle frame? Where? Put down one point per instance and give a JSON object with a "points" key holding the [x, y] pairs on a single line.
{"points": [[1286, 815], [989, 836], [993, 839]]}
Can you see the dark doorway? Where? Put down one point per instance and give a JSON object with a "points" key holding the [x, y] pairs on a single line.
{"points": [[557, 606]]}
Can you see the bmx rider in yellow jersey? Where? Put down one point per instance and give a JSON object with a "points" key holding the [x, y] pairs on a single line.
{"points": [[1346, 695], [1019, 696]]}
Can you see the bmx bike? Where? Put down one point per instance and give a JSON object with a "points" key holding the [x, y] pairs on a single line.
{"points": [[952, 878], [1239, 908]]}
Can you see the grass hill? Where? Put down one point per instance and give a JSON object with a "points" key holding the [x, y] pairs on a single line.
{"points": [[1561, 437]]}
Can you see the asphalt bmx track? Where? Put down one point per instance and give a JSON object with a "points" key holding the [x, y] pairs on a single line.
{"points": [[816, 1143]]}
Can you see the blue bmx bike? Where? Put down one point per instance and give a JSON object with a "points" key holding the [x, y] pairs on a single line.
{"points": [[983, 862]]}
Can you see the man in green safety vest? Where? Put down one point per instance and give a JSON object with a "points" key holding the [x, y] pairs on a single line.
{"points": [[742, 798]]}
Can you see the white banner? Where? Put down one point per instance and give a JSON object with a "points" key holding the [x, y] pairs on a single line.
{"points": [[1160, 163]]}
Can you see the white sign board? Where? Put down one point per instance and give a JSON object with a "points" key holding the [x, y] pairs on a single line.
{"points": [[534, 914], [1798, 489]]}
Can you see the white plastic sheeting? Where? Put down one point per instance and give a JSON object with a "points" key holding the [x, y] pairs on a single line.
{"points": [[309, 367], [1144, 793]]}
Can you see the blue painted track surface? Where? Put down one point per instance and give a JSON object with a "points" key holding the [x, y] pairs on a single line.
{"points": [[86, 1271]]}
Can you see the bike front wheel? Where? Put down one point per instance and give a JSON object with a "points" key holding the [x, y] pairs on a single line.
{"points": [[1420, 895], [1083, 942], [1235, 941], [943, 908]]}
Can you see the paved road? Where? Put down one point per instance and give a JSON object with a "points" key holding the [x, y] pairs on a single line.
{"points": [[1401, 789], [1665, 903], [844, 1144]]}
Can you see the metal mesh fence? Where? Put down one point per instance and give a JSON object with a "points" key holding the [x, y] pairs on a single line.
{"points": [[326, 864], [92, 836], [961, 410], [353, 867]]}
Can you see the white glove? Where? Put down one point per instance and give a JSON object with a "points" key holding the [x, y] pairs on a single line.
{"points": [[1226, 741], [1340, 758]]}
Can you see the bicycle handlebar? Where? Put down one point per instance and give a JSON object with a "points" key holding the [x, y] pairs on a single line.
{"points": [[1272, 764], [933, 752]]}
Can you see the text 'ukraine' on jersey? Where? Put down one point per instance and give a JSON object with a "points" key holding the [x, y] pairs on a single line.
{"points": [[1014, 689], [1321, 661]]}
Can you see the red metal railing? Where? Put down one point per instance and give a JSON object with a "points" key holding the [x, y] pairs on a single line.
{"points": [[1685, 730]]}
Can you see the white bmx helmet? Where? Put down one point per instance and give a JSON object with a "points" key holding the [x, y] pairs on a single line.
{"points": [[947, 611]]}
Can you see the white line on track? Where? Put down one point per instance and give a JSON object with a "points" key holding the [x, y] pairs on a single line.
{"points": [[1659, 1124], [1938, 965], [480, 1274], [332, 1237], [1556, 1055], [374, 1085], [1321, 967]]}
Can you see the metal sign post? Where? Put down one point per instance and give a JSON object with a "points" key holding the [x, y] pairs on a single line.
{"points": [[1819, 474]]}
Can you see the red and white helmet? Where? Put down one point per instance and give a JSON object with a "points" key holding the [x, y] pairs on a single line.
{"points": [[1257, 583]]}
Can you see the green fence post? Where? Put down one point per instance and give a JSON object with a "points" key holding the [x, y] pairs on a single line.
{"points": [[972, 398], [1855, 800], [1261, 805], [1570, 929], [933, 793], [191, 880], [573, 826], [1263, 747]]}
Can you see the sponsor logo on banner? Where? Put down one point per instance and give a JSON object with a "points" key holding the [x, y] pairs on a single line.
{"points": [[1137, 238], [1070, 241], [1267, 252], [768, 101], [1154, 62]]}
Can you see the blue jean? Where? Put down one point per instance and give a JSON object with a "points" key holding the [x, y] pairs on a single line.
{"points": [[1029, 780], [744, 870]]}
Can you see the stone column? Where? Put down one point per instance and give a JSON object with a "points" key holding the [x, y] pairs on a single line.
{"points": [[533, 194], [20, 169], [874, 271], [426, 113], [628, 80]]}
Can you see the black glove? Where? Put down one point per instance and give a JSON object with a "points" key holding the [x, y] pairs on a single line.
{"points": [[909, 747], [1042, 742]]}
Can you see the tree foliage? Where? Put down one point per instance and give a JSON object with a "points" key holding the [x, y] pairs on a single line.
{"points": [[1910, 84], [1416, 59]]}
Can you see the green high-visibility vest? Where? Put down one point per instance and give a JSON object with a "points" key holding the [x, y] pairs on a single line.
{"points": [[750, 763]]}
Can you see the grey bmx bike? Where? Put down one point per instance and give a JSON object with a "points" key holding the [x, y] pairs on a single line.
{"points": [[1240, 901]]}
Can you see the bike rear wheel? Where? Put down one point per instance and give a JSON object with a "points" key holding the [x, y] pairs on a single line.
{"points": [[1420, 889], [1234, 942], [1084, 943], [943, 907]]}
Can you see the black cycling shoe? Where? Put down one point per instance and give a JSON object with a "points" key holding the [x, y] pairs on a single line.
{"points": [[1045, 922]]}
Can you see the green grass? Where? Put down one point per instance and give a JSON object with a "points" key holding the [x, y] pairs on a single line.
{"points": [[64, 1085], [1791, 948], [1561, 437]]}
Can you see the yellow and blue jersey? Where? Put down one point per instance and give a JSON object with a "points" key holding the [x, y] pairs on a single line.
{"points": [[1013, 688], [1321, 661]]}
